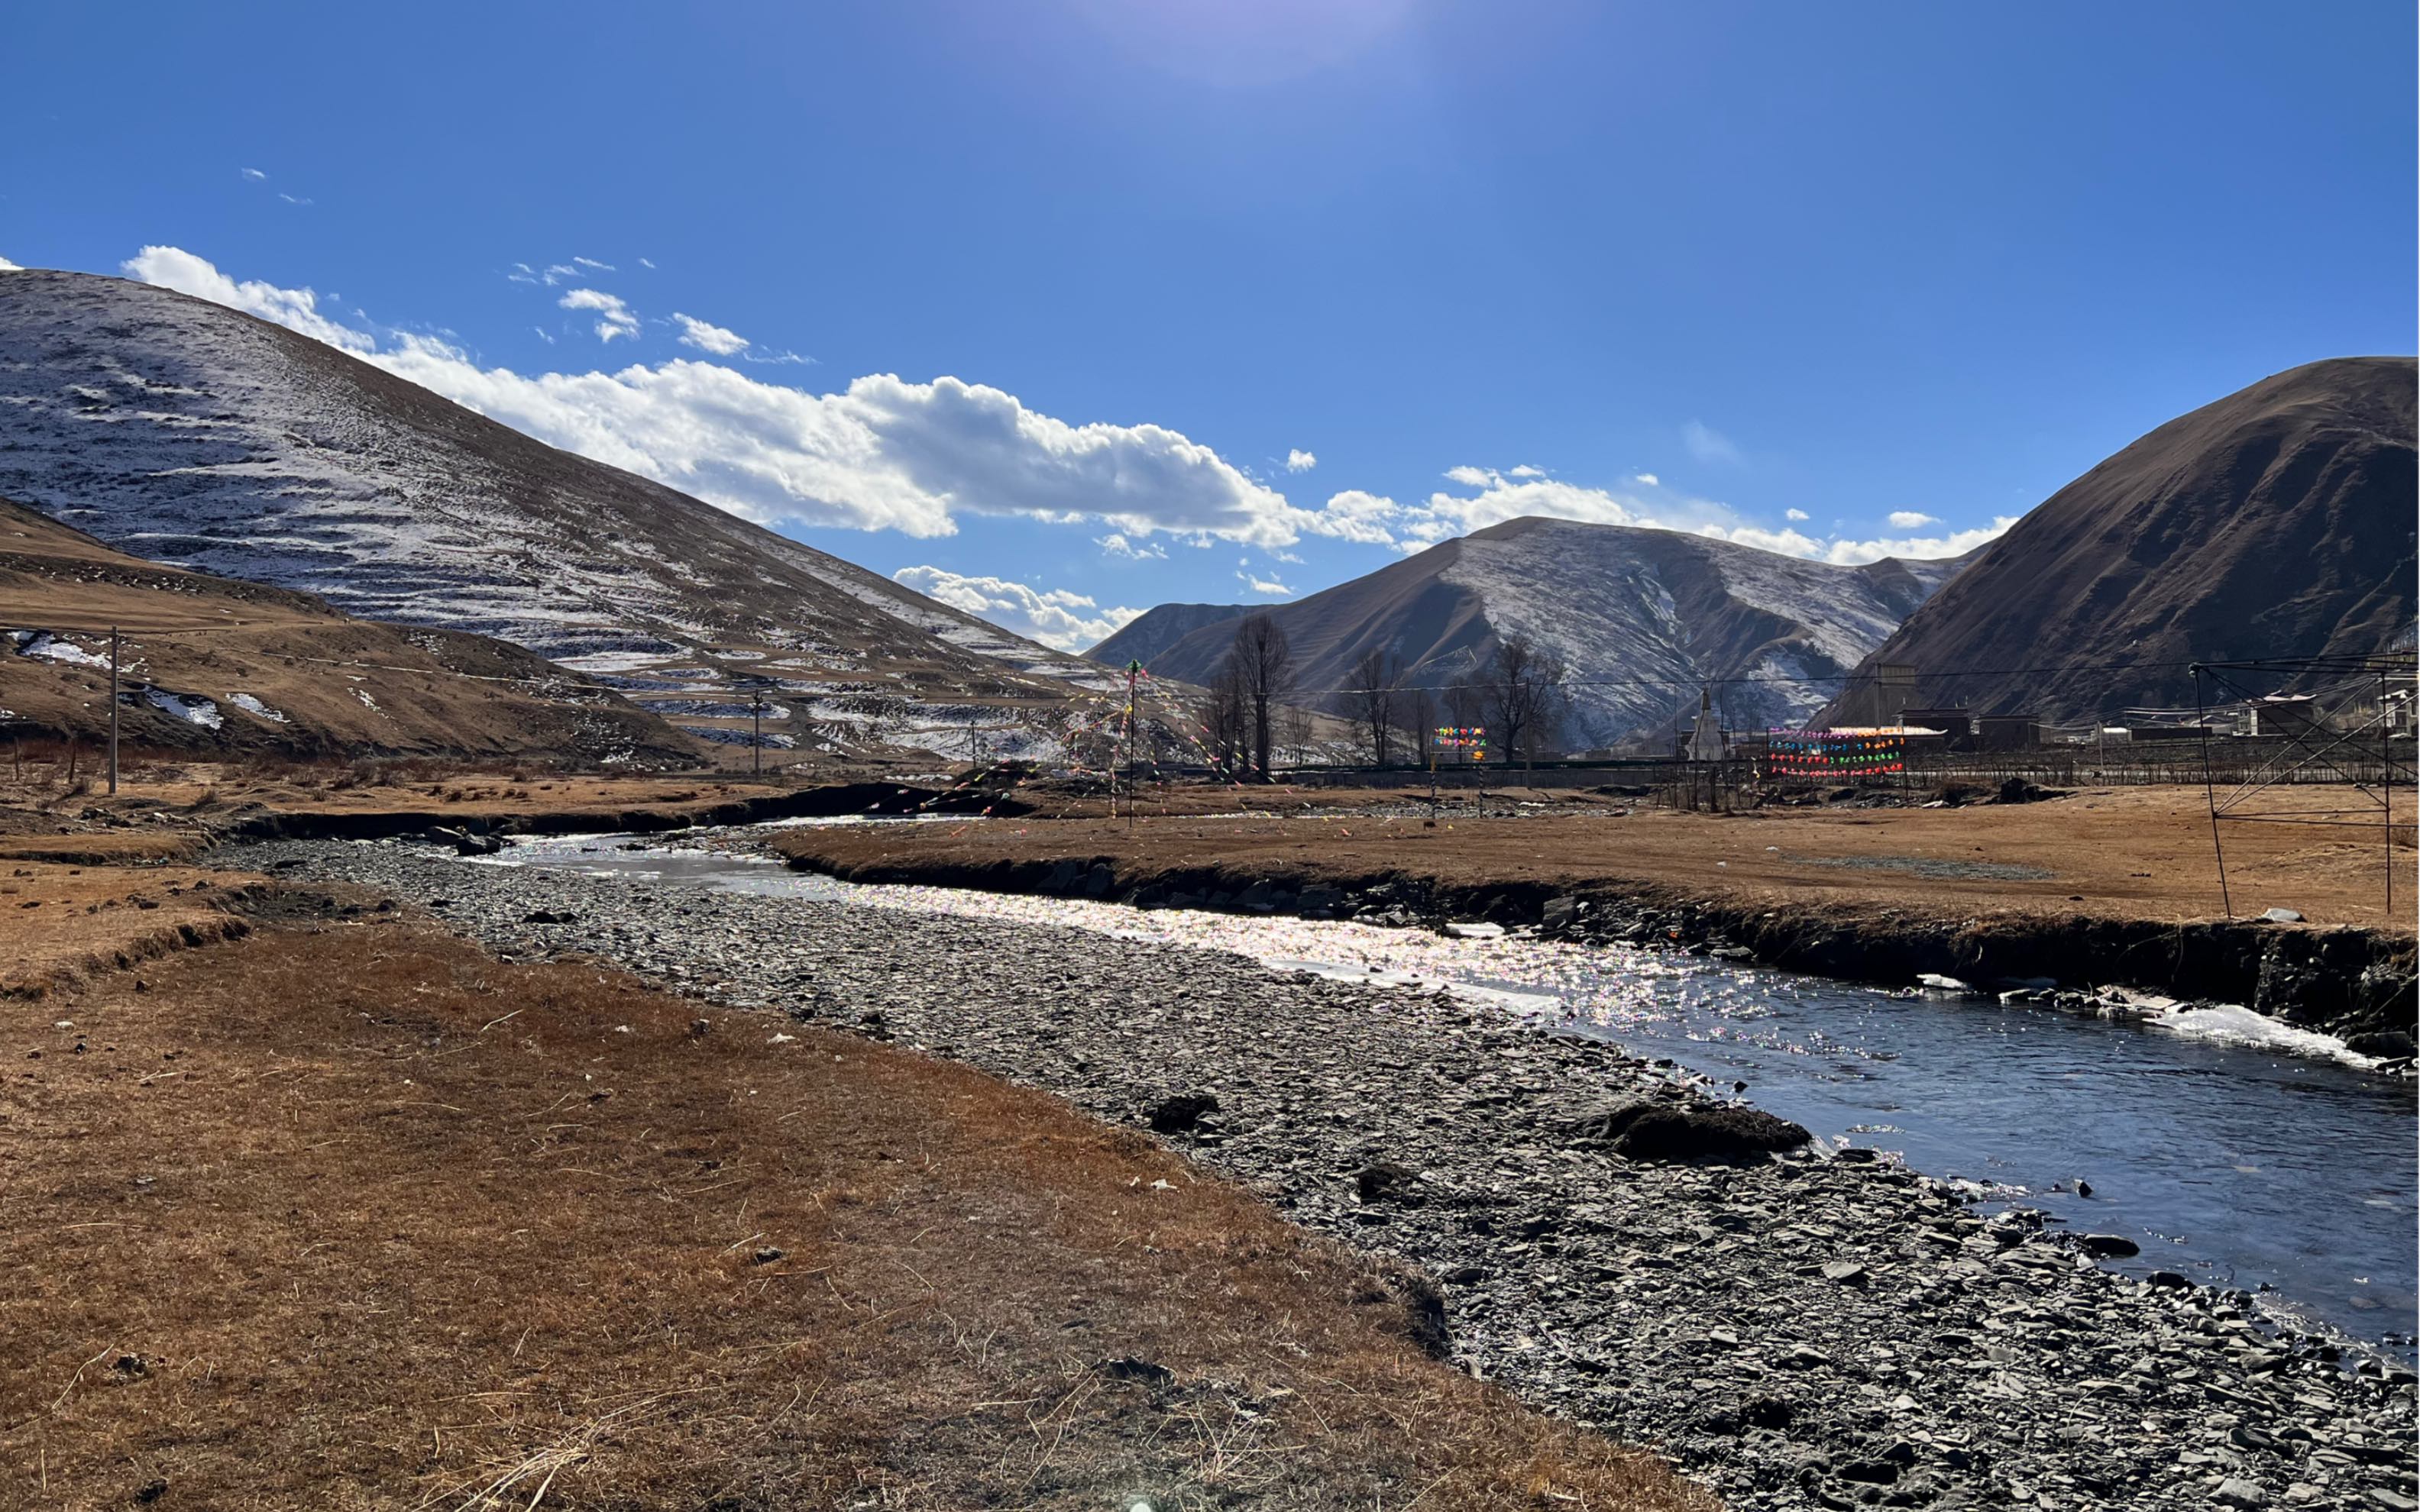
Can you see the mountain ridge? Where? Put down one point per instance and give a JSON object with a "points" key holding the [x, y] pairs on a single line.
{"points": [[199, 436], [1642, 616], [2275, 521]]}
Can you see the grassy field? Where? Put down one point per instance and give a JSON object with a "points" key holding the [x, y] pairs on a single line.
{"points": [[348, 1215], [2124, 852]]}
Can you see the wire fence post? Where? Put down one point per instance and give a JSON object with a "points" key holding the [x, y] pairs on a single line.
{"points": [[2210, 791]]}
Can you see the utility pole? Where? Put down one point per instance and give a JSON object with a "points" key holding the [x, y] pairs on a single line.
{"points": [[756, 743], [113, 711], [1134, 671]]}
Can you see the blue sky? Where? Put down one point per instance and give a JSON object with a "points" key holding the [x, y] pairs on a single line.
{"points": [[1065, 309]]}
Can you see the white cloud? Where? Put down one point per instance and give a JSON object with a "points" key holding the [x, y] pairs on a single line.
{"points": [[715, 339], [1500, 497], [1357, 516], [886, 453], [1795, 514], [1526, 471], [614, 317], [7, 267], [1957, 543], [297, 309], [882, 453], [1116, 546], [1650, 479], [255, 175], [1298, 460], [1056, 617], [543, 335], [593, 263], [1266, 587], [1909, 519], [1708, 444], [291, 199], [646, 263]]}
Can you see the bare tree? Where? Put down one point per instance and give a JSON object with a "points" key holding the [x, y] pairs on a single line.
{"points": [[1296, 722], [1521, 689], [1264, 664], [1377, 682], [1226, 718]]}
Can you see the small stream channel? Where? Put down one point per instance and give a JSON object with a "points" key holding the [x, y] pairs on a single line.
{"points": [[2231, 1148]]}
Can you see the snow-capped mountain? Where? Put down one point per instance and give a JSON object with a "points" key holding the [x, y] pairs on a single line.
{"points": [[1642, 618], [194, 435]]}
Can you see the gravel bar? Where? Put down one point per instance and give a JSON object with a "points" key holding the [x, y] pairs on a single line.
{"points": [[1811, 1329]]}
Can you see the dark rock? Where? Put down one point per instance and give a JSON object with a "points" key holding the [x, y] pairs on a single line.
{"points": [[1650, 1131], [2105, 1246], [1869, 1472], [1181, 1112], [767, 1255], [1386, 1181], [547, 916], [1768, 1412], [1127, 1367], [2167, 1280], [2385, 1045]]}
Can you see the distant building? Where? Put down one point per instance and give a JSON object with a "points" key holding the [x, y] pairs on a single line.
{"points": [[1877, 698], [2007, 732], [2285, 713], [1955, 726]]}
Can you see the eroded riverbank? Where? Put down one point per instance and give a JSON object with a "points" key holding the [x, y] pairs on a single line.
{"points": [[1808, 1332]]}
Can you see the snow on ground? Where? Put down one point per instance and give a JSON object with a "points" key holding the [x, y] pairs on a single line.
{"points": [[723, 735], [191, 708], [44, 646], [707, 709], [252, 705]]}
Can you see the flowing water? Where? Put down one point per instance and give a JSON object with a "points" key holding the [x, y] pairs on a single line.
{"points": [[2233, 1150]]}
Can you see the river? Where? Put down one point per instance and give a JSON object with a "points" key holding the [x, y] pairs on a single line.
{"points": [[2231, 1150]]}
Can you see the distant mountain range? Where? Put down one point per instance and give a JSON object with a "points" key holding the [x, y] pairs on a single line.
{"points": [[2275, 522], [191, 434], [1643, 618], [217, 666]]}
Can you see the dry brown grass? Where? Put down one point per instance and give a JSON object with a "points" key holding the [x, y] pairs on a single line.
{"points": [[2126, 853], [61, 925], [363, 1218]]}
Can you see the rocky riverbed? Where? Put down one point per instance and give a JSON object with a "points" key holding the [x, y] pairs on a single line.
{"points": [[1800, 1330]]}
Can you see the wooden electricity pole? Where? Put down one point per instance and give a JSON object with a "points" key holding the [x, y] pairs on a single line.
{"points": [[1134, 671], [113, 711]]}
